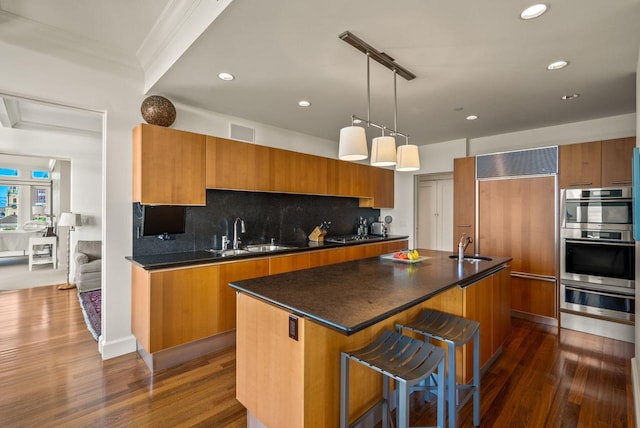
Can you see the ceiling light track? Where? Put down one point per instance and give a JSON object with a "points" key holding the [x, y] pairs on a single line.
{"points": [[380, 57]]}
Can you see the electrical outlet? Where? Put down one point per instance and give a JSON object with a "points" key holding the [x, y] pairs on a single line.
{"points": [[293, 327]]}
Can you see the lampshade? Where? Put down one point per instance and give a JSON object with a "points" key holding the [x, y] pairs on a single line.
{"points": [[408, 158], [70, 220], [353, 144], [383, 151]]}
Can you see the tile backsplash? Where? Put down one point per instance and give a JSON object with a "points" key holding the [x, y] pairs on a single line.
{"points": [[285, 217]]}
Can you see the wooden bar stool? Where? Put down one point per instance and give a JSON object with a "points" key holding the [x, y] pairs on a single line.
{"points": [[454, 331], [406, 360]]}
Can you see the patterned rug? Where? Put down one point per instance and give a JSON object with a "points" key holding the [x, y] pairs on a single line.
{"points": [[91, 303]]}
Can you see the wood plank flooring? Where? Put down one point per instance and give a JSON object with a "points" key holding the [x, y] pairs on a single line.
{"points": [[51, 374]]}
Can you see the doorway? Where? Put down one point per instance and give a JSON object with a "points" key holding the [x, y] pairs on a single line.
{"points": [[66, 143], [434, 228]]}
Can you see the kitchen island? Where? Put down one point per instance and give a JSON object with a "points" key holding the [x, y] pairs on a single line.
{"points": [[291, 328]]}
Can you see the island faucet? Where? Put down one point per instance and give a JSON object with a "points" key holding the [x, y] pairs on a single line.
{"points": [[462, 245], [243, 229]]}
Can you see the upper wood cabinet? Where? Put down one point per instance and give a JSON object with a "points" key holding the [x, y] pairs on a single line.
{"points": [[168, 166], [235, 165], [381, 181], [596, 164], [616, 161], [580, 165], [464, 201], [230, 164]]}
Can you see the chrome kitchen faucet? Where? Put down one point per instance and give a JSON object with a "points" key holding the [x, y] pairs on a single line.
{"points": [[243, 229]]}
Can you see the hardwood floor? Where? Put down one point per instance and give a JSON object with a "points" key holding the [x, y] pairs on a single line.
{"points": [[51, 374]]}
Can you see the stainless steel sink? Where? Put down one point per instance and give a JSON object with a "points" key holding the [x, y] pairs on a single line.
{"points": [[266, 248], [472, 258], [229, 253]]}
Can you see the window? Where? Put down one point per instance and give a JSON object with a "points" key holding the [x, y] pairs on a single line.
{"points": [[9, 200], [40, 175], [8, 172]]}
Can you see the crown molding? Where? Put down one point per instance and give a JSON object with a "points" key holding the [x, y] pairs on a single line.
{"points": [[42, 38], [177, 28]]}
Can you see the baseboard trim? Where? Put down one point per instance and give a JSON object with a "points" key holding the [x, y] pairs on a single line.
{"points": [[116, 348], [635, 383], [177, 355], [535, 318]]}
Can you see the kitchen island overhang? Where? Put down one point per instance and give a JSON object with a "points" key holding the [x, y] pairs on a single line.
{"points": [[349, 297], [293, 380]]}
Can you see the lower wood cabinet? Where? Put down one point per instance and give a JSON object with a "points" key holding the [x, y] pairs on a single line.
{"points": [[487, 301], [290, 263], [225, 310], [534, 296], [172, 307]]}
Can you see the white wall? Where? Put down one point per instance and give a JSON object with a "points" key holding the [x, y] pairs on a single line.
{"points": [[577, 132]]}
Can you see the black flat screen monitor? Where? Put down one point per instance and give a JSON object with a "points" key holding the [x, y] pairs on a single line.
{"points": [[163, 219]]}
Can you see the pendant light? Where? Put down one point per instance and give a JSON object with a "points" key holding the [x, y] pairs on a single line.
{"points": [[353, 143], [408, 157]]}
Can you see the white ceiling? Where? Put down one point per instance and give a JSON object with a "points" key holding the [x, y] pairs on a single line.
{"points": [[476, 56]]}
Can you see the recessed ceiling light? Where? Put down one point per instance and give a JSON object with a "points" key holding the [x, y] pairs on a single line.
{"points": [[226, 76], [472, 117], [570, 97], [557, 65], [304, 103], [534, 11]]}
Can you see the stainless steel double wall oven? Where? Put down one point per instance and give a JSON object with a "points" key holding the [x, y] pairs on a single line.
{"points": [[597, 261]]}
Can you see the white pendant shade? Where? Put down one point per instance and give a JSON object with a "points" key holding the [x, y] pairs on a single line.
{"points": [[353, 144], [408, 158], [383, 151]]}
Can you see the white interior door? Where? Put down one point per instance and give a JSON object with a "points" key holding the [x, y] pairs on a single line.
{"points": [[435, 214]]}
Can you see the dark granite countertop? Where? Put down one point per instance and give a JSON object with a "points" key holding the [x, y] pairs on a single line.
{"points": [[171, 260], [349, 297]]}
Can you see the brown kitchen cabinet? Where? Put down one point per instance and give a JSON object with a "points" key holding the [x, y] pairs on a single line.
{"points": [[230, 164], [288, 263], [355, 252], [517, 219], [174, 306], [381, 182], [488, 302], [616, 161], [234, 165], [534, 296], [580, 165], [464, 201], [293, 172], [348, 179], [596, 164], [168, 166], [235, 271]]}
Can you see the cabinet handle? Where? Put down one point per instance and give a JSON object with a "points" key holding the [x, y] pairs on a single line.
{"points": [[621, 182], [581, 184], [463, 225]]}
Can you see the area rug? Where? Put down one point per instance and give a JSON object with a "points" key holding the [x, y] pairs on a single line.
{"points": [[91, 304]]}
